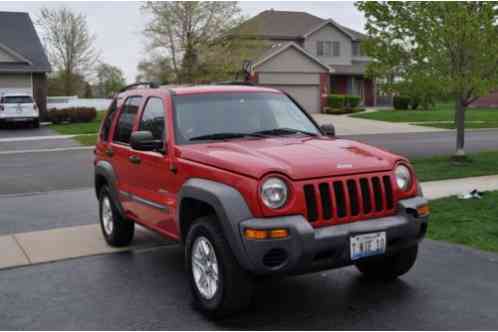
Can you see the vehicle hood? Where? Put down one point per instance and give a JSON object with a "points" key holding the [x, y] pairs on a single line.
{"points": [[298, 158]]}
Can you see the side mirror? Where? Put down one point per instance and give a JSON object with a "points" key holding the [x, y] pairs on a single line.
{"points": [[144, 141], [328, 129]]}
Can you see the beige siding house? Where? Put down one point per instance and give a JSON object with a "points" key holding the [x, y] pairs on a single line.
{"points": [[309, 57], [23, 62]]}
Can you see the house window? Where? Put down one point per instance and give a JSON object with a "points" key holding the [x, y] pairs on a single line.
{"points": [[357, 50], [328, 48], [336, 48]]}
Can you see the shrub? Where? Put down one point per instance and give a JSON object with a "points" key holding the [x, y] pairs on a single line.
{"points": [[336, 101], [57, 116], [401, 102], [352, 101], [72, 115]]}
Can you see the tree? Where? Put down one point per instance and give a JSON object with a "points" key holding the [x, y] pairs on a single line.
{"points": [[69, 44], [110, 79], [156, 69], [452, 44], [57, 84], [183, 28]]}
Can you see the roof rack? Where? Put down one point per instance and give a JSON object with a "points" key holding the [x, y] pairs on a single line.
{"points": [[151, 85], [234, 83]]}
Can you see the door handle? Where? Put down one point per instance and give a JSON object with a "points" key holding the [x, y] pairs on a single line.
{"points": [[135, 159], [109, 152]]}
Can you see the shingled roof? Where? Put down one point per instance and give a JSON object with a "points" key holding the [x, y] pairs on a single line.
{"points": [[287, 25], [19, 39]]}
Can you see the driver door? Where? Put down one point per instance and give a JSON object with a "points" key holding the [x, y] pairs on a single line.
{"points": [[151, 186]]}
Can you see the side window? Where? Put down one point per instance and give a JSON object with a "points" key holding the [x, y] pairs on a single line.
{"points": [[153, 118], [106, 125], [336, 47], [125, 123]]}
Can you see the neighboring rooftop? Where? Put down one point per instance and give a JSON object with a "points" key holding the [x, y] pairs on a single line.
{"points": [[287, 25], [19, 39]]}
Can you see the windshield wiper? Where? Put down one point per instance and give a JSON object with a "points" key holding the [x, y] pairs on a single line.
{"points": [[284, 131], [222, 136]]}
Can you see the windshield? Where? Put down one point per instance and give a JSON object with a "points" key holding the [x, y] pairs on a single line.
{"points": [[17, 100], [234, 115]]}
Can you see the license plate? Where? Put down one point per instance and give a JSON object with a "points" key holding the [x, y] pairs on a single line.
{"points": [[368, 245]]}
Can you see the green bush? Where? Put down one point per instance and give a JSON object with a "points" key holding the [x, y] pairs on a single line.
{"points": [[72, 115], [336, 101], [401, 102], [352, 101]]}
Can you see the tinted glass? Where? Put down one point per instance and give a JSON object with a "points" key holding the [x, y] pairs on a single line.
{"points": [[198, 115], [125, 124], [17, 100], [106, 125], [153, 118]]}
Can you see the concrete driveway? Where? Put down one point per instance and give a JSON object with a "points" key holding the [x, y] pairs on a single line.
{"points": [[450, 288], [345, 125]]}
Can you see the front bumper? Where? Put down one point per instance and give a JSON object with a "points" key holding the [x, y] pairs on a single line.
{"points": [[18, 118], [307, 249]]}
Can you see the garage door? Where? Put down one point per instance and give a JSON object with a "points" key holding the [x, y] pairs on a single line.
{"points": [[15, 84], [307, 96]]}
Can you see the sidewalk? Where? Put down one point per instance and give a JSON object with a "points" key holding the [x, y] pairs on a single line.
{"points": [[346, 125], [446, 188], [42, 246]]}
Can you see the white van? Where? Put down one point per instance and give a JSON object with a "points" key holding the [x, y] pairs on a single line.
{"points": [[17, 107]]}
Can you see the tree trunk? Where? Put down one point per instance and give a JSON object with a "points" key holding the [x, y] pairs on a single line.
{"points": [[460, 126]]}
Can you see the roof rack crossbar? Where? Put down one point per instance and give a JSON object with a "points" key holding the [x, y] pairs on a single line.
{"points": [[152, 85]]}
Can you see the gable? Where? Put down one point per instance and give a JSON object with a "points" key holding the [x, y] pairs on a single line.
{"points": [[20, 42], [290, 60], [330, 33]]}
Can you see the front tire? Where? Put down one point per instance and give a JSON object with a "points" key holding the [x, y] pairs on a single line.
{"points": [[389, 267], [117, 230], [219, 284], [36, 123]]}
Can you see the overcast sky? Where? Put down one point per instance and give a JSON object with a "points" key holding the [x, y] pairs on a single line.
{"points": [[118, 25]]}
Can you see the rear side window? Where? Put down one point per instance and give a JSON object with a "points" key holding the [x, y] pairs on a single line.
{"points": [[17, 100], [153, 118], [107, 123], [125, 122]]}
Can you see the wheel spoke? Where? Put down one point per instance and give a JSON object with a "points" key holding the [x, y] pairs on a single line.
{"points": [[205, 267]]}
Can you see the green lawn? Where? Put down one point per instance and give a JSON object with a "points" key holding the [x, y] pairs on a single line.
{"points": [[89, 140], [468, 125], [483, 117], [79, 128], [470, 222], [441, 167]]}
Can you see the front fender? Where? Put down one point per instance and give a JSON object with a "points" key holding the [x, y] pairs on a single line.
{"points": [[229, 206]]}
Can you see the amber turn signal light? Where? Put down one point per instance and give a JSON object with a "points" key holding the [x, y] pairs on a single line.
{"points": [[423, 210], [261, 234]]}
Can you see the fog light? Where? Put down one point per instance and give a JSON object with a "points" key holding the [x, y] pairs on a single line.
{"points": [[261, 234], [423, 210]]}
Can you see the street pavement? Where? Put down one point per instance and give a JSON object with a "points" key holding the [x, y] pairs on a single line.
{"points": [[450, 287], [419, 145], [24, 172]]}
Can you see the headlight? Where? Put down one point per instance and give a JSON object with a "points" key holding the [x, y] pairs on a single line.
{"points": [[274, 193], [403, 177]]}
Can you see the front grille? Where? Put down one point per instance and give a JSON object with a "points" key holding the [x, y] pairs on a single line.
{"points": [[348, 199]]}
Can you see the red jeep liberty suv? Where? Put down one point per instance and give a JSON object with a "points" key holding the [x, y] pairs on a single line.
{"points": [[248, 182]]}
